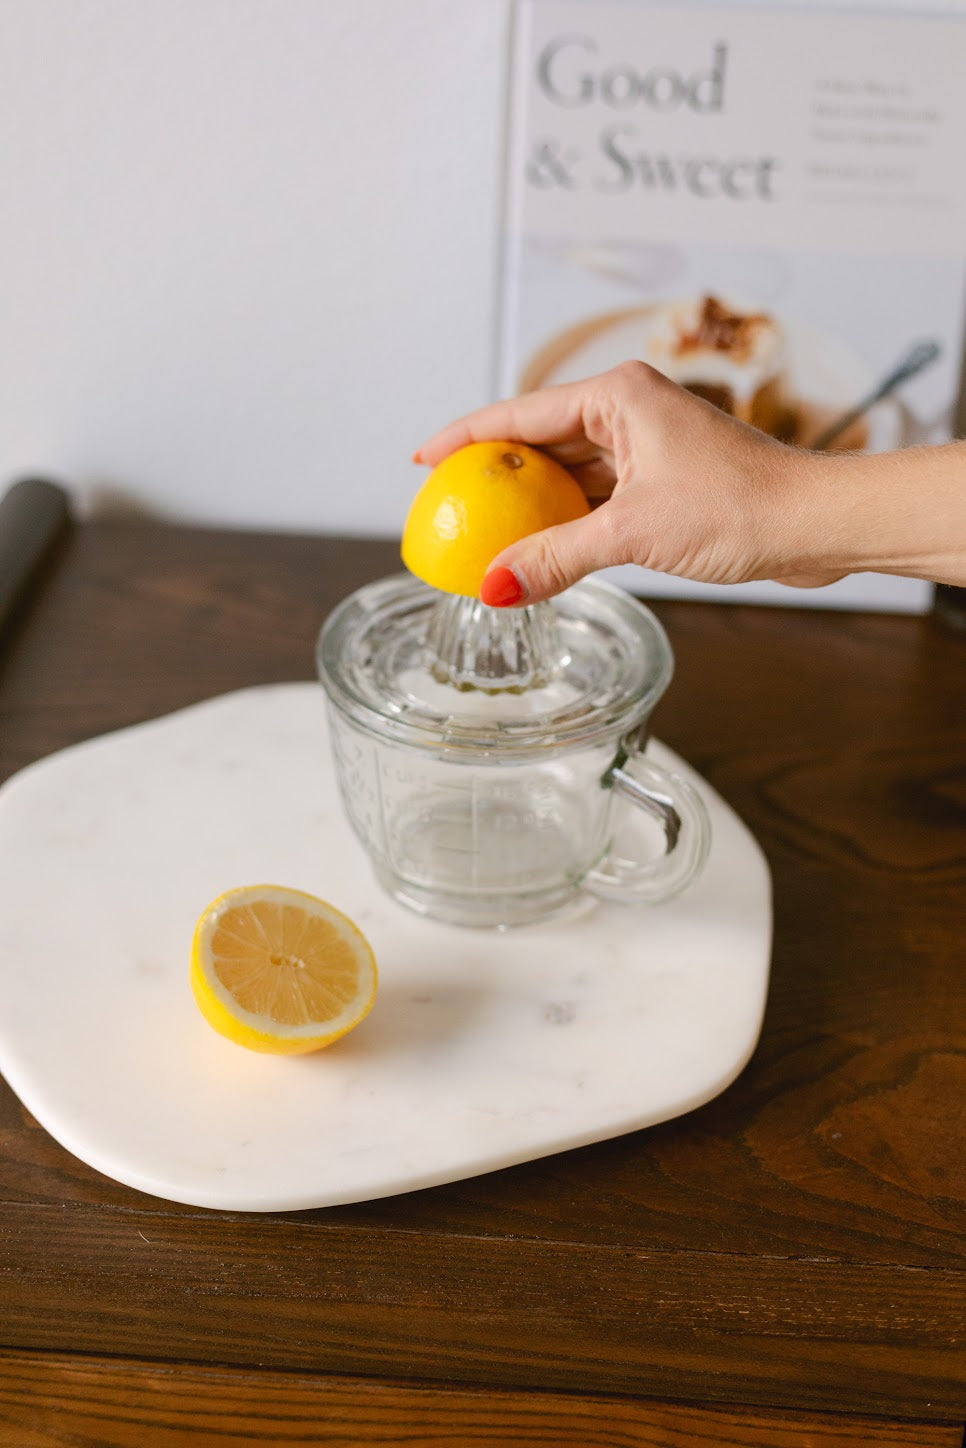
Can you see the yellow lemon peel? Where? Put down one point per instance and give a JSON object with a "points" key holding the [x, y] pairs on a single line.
{"points": [[478, 501]]}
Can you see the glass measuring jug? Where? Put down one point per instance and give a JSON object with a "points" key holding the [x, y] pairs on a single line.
{"points": [[485, 757]]}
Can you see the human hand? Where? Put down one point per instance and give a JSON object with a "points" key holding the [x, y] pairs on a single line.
{"points": [[680, 487]]}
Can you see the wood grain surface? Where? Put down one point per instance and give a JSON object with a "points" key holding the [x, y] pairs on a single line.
{"points": [[797, 1244], [47, 1402]]}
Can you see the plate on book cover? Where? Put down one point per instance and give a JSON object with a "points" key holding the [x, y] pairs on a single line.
{"points": [[804, 381], [483, 1049]]}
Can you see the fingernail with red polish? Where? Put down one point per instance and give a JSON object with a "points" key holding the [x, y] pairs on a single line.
{"points": [[501, 588], [417, 456]]}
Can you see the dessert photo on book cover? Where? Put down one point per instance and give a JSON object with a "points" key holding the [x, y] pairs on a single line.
{"points": [[783, 364]]}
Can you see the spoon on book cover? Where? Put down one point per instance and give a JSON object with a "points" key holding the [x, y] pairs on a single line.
{"points": [[922, 355]]}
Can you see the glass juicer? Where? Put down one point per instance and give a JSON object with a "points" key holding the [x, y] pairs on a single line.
{"points": [[485, 757]]}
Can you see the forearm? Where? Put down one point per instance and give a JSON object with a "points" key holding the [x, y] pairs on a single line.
{"points": [[901, 512]]}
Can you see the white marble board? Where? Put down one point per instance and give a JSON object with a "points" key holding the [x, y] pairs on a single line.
{"points": [[483, 1049]]}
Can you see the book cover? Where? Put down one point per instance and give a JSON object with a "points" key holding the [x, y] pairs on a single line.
{"points": [[768, 205]]}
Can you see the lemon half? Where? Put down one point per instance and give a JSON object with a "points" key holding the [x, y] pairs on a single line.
{"points": [[478, 501], [280, 971]]}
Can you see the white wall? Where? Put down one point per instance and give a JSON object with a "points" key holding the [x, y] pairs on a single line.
{"points": [[247, 248]]}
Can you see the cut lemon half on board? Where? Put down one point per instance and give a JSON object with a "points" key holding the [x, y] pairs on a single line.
{"points": [[280, 971], [478, 501]]}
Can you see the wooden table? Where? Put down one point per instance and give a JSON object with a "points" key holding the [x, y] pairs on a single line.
{"points": [[783, 1267]]}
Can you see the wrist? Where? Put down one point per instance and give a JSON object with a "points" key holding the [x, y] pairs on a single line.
{"points": [[901, 512]]}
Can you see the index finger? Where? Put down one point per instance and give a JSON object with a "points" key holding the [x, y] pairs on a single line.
{"points": [[551, 415]]}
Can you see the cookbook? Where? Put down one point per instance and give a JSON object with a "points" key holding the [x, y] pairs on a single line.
{"points": [[768, 205]]}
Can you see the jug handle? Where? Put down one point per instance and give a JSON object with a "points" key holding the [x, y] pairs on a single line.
{"points": [[679, 809]]}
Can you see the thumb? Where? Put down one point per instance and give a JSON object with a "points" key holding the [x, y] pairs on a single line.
{"points": [[545, 563]]}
